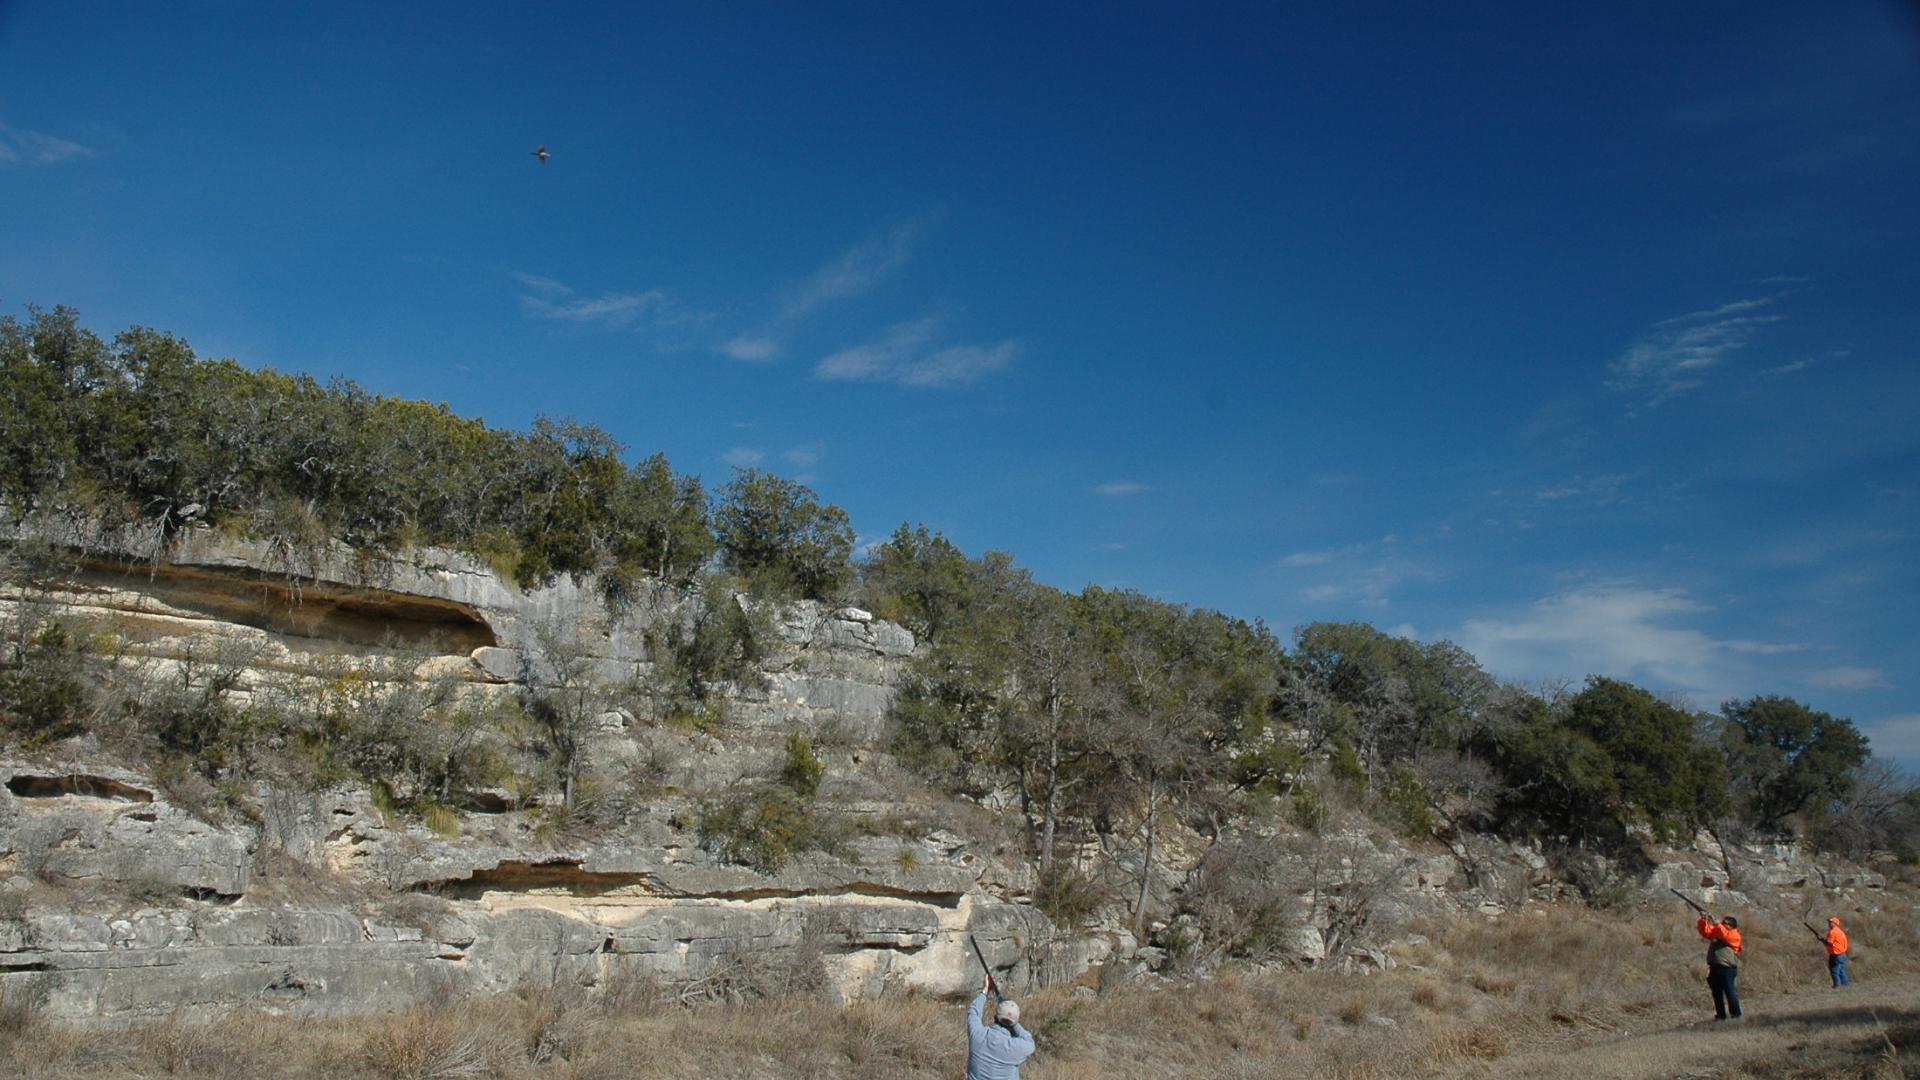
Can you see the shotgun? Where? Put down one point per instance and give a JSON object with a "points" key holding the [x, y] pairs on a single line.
{"points": [[993, 984], [1817, 935], [1703, 911]]}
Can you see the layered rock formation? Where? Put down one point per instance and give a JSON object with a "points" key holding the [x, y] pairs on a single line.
{"points": [[126, 894], [381, 911]]}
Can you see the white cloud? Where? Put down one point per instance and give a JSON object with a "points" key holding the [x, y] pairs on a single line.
{"points": [[1896, 736], [857, 270], [1622, 631], [743, 457], [1313, 558], [1120, 487], [1850, 678], [1583, 491], [1404, 630], [960, 364], [19, 146], [556, 300], [615, 310], [804, 457], [1676, 354], [545, 286], [751, 348], [901, 355]]}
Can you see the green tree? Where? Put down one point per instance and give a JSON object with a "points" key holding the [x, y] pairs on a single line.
{"points": [[664, 523], [780, 537], [946, 718], [1786, 759], [1394, 697], [49, 366], [1559, 781], [1661, 769], [919, 579]]}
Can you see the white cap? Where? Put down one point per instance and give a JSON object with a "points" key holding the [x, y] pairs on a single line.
{"points": [[1008, 1010]]}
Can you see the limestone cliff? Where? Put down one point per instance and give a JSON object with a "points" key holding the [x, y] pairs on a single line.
{"points": [[128, 891]]}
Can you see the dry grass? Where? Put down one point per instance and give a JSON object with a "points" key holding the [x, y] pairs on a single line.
{"points": [[1568, 992]]}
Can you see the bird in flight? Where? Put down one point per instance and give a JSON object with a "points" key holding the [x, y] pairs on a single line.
{"points": [[542, 154]]}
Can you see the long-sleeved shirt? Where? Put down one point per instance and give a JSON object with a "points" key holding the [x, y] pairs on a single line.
{"points": [[1836, 942], [993, 1052], [1719, 935]]}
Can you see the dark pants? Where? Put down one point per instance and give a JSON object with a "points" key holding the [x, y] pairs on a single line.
{"points": [[1726, 995], [1837, 967]]}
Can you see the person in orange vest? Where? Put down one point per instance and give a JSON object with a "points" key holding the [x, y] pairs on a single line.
{"points": [[1723, 964], [1836, 942]]}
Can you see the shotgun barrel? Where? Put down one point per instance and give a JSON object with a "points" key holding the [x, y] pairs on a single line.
{"points": [[1689, 900], [993, 984]]}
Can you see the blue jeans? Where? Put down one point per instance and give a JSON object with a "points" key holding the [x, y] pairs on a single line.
{"points": [[1724, 982], [1837, 967]]}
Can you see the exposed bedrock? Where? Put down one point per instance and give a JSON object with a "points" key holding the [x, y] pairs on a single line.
{"points": [[116, 902]]}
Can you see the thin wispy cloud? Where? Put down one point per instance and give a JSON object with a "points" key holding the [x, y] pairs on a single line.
{"points": [[910, 354], [743, 457], [1119, 487], [1896, 736], [1850, 678], [1312, 558], [543, 286], [20, 147], [750, 348], [1366, 574], [856, 270], [1676, 354], [1623, 631], [1583, 491], [556, 301]]}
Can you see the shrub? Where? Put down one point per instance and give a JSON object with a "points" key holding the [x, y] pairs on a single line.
{"points": [[1404, 801], [43, 684], [803, 769], [1069, 897], [1344, 763], [764, 828]]}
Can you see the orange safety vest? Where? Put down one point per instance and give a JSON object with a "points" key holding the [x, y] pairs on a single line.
{"points": [[1836, 941]]}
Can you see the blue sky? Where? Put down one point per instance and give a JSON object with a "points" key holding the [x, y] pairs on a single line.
{"points": [[1590, 341]]}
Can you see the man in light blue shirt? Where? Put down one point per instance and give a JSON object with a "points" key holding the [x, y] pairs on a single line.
{"points": [[995, 1051]]}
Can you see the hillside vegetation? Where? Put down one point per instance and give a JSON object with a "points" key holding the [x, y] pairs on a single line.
{"points": [[1109, 716]]}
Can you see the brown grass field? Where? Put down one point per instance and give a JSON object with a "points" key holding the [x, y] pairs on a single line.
{"points": [[1559, 992]]}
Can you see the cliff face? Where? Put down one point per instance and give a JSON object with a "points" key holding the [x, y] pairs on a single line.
{"points": [[120, 901], [126, 890]]}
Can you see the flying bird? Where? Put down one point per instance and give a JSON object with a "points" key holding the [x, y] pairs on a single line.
{"points": [[542, 154]]}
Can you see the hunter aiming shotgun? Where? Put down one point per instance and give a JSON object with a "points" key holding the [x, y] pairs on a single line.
{"points": [[995, 1050]]}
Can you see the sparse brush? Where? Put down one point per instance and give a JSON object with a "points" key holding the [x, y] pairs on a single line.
{"points": [[430, 1044]]}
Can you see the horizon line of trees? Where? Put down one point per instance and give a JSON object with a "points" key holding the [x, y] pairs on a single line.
{"points": [[141, 431], [1111, 714]]}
